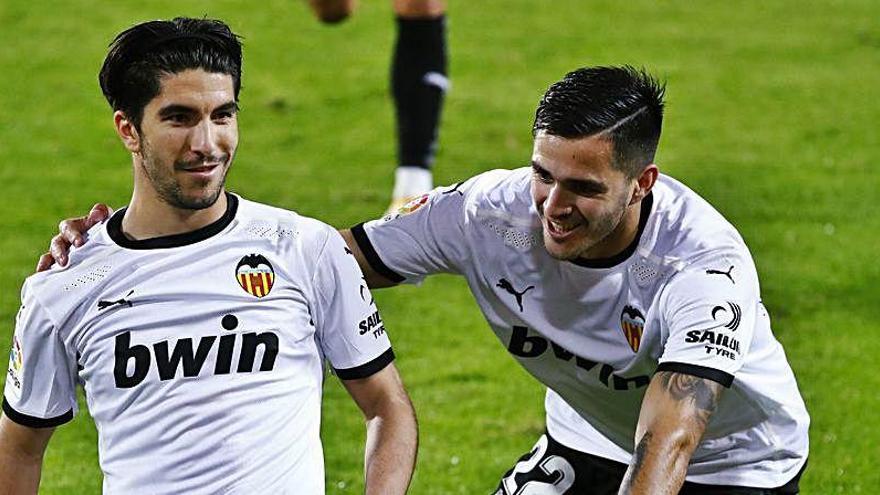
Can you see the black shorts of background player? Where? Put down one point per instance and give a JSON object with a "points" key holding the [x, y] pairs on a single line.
{"points": [[418, 84]]}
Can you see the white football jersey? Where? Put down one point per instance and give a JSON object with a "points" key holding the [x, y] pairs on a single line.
{"points": [[683, 297], [201, 354]]}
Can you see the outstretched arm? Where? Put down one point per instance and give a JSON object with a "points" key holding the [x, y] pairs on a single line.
{"points": [[392, 431], [71, 233], [373, 278], [21, 457], [673, 418]]}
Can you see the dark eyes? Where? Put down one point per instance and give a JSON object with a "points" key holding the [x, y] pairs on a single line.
{"points": [[543, 176], [226, 115], [584, 190], [178, 118], [581, 189], [184, 118]]}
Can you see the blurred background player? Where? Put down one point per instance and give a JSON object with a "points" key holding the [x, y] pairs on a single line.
{"points": [[418, 83]]}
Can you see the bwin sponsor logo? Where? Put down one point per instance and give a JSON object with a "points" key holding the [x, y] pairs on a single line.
{"points": [[191, 355], [531, 346]]}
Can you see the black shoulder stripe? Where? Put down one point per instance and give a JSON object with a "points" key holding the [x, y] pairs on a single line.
{"points": [[33, 421], [363, 242], [367, 369], [716, 375]]}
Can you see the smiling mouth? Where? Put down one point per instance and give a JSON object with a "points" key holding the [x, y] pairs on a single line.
{"points": [[558, 229], [204, 168]]}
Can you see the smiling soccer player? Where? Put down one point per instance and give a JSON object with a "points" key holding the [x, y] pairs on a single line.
{"points": [[198, 321]]}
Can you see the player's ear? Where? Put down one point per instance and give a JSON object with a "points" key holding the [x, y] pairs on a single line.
{"points": [[643, 183], [127, 132]]}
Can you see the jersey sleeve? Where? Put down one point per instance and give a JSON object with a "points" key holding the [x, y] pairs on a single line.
{"points": [[40, 387], [349, 327], [421, 238], [710, 314]]}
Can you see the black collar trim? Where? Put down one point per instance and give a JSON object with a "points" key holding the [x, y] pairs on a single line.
{"points": [[114, 229], [622, 256]]}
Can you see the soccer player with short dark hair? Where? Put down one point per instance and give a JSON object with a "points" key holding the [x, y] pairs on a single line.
{"points": [[198, 322], [623, 291]]}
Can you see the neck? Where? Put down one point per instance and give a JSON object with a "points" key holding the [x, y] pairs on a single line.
{"points": [[148, 217], [622, 236], [619, 239]]}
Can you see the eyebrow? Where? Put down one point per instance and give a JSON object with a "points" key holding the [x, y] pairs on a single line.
{"points": [[227, 107], [581, 184], [173, 109]]}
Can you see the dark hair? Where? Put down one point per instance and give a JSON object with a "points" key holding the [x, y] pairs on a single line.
{"points": [[142, 54], [624, 102]]}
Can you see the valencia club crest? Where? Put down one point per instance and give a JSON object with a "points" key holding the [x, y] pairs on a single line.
{"points": [[255, 275], [632, 322]]}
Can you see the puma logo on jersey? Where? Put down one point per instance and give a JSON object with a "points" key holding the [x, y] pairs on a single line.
{"points": [[531, 346], [508, 287], [726, 274], [122, 301], [191, 355]]}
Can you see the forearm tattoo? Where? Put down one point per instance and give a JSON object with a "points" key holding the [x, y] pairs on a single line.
{"points": [[641, 452], [701, 393], [698, 398]]}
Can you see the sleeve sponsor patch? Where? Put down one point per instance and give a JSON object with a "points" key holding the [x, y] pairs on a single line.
{"points": [[711, 324], [413, 205], [15, 373]]}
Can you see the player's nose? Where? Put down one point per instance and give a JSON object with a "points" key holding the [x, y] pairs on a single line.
{"points": [[203, 138], [557, 203]]}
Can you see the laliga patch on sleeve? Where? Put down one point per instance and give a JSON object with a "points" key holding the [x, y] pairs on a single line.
{"points": [[15, 374], [411, 206]]}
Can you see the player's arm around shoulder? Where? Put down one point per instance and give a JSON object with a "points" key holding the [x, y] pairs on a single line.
{"points": [[392, 431], [375, 280], [21, 456], [674, 414], [423, 237]]}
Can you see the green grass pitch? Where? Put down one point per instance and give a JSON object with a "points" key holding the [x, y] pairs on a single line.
{"points": [[772, 116]]}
